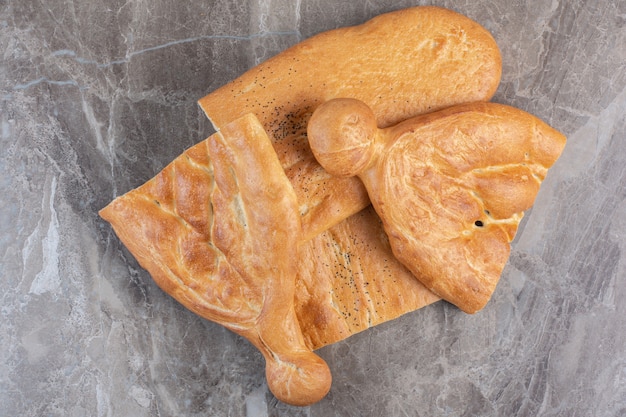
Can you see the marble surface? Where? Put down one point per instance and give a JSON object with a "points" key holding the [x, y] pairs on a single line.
{"points": [[98, 96]]}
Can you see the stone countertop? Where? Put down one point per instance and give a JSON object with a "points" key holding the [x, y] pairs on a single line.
{"points": [[98, 96]]}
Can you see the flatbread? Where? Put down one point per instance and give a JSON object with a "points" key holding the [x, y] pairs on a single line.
{"points": [[450, 187], [401, 64]]}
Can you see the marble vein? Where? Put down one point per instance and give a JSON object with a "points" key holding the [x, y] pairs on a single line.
{"points": [[47, 245], [72, 54], [45, 80]]}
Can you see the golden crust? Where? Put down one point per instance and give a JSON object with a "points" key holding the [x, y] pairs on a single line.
{"points": [[451, 187], [348, 281], [214, 266], [401, 64], [168, 223], [218, 230]]}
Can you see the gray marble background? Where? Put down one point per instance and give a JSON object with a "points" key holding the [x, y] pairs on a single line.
{"points": [[98, 95]]}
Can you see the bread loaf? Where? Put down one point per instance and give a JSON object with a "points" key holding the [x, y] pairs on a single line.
{"points": [[450, 187], [226, 243], [218, 229], [401, 64], [348, 280]]}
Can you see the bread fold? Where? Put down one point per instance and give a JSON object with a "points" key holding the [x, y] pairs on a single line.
{"points": [[248, 230], [450, 187], [401, 64], [218, 229]]}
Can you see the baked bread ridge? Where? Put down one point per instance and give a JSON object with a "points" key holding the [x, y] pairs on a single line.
{"points": [[401, 64], [167, 225], [147, 228], [349, 280], [450, 187], [218, 230]]}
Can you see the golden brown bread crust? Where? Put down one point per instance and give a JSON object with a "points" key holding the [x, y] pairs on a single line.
{"points": [[349, 280], [173, 211], [218, 229], [401, 64], [451, 186], [449, 60]]}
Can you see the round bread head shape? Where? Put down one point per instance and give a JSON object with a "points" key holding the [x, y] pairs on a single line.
{"points": [[342, 133]]}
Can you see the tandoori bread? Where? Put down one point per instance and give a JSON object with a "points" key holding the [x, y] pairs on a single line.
{"points": [[450, 187], [218, 230], [402, 64]]}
